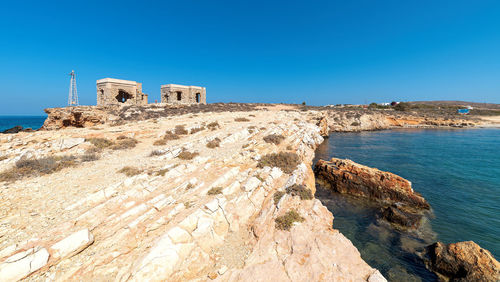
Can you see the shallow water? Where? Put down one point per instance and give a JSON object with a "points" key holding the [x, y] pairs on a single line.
{"points": [[457, 171], [34, 122]]}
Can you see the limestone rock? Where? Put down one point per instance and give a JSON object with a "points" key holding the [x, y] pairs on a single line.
{"points": [[68, 143], [22, 264], [324, 129], [462, 261], [72, 244]]}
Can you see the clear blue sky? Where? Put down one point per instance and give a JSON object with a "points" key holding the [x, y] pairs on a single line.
{"points": [[320, 52]]}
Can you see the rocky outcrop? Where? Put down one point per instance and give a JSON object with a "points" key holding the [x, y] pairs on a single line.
{"points": [[82, 116], [462, 261], [14, 129], [324, 129], [402, 206]]}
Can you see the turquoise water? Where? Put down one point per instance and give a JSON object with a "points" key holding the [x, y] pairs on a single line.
{"points": [[34, 122], [457, 171]]}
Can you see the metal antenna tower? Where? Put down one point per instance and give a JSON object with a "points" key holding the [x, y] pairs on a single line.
{"points": [[73, 95]]}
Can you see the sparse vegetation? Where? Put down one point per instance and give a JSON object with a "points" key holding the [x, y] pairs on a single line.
{"points": [[287, 161], [90, 157], [196, 129], [274, 138], [402, 106], [215, 191], [160, 142], [186, 155], [245, 145], [300, 190], [285, 222], [100, 143], [241, 119], [214, 143], [169, 135], [130, 171], [289, 147], [37, 167], [156, 153], [277, 196], [124, 143], [213, 125], [180, 130], [4, 157], [189, 186]]}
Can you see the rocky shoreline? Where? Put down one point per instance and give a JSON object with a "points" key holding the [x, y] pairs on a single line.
{"points": [[210, 192]]}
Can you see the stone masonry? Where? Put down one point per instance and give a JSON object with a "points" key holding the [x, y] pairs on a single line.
{"points": [[112, 91], [180, 94]]}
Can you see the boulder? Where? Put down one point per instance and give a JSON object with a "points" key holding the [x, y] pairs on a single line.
{"points": [[401, 216], [14, 129], [462, 261]]}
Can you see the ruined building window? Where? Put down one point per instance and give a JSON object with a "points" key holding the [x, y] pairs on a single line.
{"points": [[198, 95], [122, 96], [179, 95]]}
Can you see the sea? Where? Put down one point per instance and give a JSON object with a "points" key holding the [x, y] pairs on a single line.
{"points": [[456, 170], [33, 122]]}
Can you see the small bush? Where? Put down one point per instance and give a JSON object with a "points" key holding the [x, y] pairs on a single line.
{"points": [[287, 161], [213, 125], [169, 135], [277, 196], [402, 107], [180, 130], [241, 119], [214, 143], [215, 191], [196, 129], [93, 150], [36, 167], [245, 145], [130, 171], [274, 138], [189, 186], [123, 144], [160, 142], [285, 222], [155, 153], [186, 155], [300, 190], [251, 115], [89, 157], [100, 143], [4, 157], [289, 147], [121, 137]]}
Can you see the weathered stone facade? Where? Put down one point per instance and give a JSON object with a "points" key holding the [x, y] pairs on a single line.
{"points": [[180, 94], [112, 91]]}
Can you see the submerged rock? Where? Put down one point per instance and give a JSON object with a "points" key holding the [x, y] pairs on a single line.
{"points": [[462, 261], [401, 217]]}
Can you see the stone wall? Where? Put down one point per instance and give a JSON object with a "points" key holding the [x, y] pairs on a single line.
{"points": [[180, 94], [116, 91]]}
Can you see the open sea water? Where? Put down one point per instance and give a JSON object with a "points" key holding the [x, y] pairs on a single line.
{"points": [[34, 122], [457, 171]]}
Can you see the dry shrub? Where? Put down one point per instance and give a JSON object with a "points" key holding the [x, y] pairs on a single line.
{"points": [[123, 144], [93, 150], [36, 167], [289, 147], [274, 138], [130, 171], [186, 155], [163, 171], [160, 142], [285, 222], [215, 191], [245, 145], [100, 143], [121, 137], [169, 135], [196, 129], [90, 157], [213, 125], [287, 161], [241, 119], [251, 115], [277, 196], [180, 130], [155, 153], [214, 143], [300, 190], [4, 157], [189, 186]]}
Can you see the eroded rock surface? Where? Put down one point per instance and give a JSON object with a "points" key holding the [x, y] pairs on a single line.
{"points": [[462, 261]]}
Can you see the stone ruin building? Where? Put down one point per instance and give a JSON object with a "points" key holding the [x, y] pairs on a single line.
{"points": [[180, 94], [112, 91]]}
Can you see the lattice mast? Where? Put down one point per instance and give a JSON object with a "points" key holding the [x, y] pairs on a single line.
{"points": [[73, 95]]}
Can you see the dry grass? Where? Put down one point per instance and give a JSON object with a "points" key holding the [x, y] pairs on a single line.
{"points": [[4, 157], [277, 196], [37, 167], [186, 155], [285, 222], [100, 143], [169, 135], [215, 191], [125, 143], [156, 153], [300, 190], [180, 130], [130, 171], [289, 147], [196, 129], [286, 161], [214, 143], [90, 157], [160, 142], [213, 125], [274, 138], [241, 119]]}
